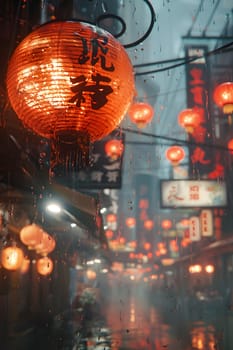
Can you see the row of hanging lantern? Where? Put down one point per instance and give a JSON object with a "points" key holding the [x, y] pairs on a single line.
{"points": [[13, 258], [191, 118]]}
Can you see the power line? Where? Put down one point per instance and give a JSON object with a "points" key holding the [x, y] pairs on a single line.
{"points": [[170, 139], [219, 50]]}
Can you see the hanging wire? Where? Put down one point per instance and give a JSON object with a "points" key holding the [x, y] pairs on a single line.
{"points": [[219, 50], [170, 139]]}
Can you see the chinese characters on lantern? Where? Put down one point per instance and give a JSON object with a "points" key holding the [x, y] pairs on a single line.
{"points": [[96, 88]]}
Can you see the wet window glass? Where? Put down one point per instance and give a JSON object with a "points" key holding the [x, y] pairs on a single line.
{"points": [[116, 198]]}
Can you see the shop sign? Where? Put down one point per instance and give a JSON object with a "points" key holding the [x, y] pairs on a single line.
{"points": [[193, 193]]}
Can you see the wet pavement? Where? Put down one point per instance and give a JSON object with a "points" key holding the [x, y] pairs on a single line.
{"points": [[135, 317]]}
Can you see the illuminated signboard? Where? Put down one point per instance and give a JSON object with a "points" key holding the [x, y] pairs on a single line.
{"points": [[188, 194], [201, 155]]}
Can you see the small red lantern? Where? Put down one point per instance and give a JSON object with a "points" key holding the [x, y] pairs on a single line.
{"points": [[133, 244], [70, 82], [166, 224], [190, 118], [141, 113], [114, 149], [109, 234], [223, 97], [147, 246], [12, 258], [230, 146], [130, 222], [111, 218], [31, 235], [44, 266], [175, 154], [148, 224], [91, 274]]}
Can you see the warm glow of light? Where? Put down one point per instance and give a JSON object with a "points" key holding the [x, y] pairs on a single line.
{"points": [[175, 154], [148, 224], [195, 268], [109, 234], [67, 89], [114, 149], [230, 146], [209, 268], [141, 113], [130, 222], [166, 224], [91, 274], [147, 246], [31, 235], [46, 245], [111, 218], [190, 118], [12, 258], [44, 266], [25, 266], [223, 97]]}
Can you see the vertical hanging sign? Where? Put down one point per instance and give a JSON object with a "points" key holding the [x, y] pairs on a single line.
{"points": [[206, 219], [194, 229], [201, 155]]}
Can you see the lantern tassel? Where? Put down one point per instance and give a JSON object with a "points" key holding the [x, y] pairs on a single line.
{"points": [[70, 150]]}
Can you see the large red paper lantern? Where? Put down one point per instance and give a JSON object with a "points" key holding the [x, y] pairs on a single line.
{"points": [[141, 113], [175, 154], [223, 97], [31, 235], [44, 266], [114, 148], [70, 82], [12, 258], [190, 118]]}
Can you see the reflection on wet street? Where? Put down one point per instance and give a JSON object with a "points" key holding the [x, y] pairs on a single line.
{"points": [[139, 319]]}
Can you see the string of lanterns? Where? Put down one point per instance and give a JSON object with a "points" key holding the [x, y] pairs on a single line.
{"points": [[32, 236]]}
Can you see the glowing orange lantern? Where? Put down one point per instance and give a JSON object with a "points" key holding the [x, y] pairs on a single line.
{"points": [[130, 222], [166, 224], [109, 234], [175, 154], [47, 244], [223, 97], [190, 118], [70, 82], [114, 149], [133, 244], [148, 224], [12, 258], [111, 218], [31, 235], [147, 246], [141, 113], [44, 266], [122, 240], [230, 146], [91, 274]]}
